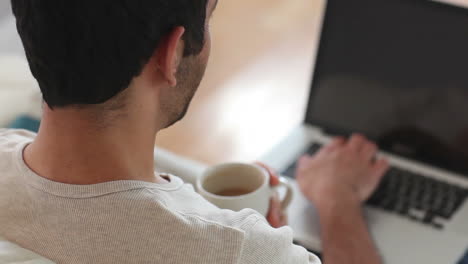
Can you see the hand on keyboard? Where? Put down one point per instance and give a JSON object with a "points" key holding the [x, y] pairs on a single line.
{"points": [[344, 169], [409, 194]]}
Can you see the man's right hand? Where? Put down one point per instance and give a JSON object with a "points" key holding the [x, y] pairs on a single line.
{"points": [[344, 170]]}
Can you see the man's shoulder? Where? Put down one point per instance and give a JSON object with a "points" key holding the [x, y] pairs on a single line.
{"points": [[242, 221], [261, 243], [10, 138], [188, 203], [10, 142], [257, 241]]}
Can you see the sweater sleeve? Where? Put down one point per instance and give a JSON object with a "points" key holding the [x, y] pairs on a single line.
{"points": [[266, 245]]}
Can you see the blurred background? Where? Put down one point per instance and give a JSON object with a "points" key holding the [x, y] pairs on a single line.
{"points": [[254, 92]]}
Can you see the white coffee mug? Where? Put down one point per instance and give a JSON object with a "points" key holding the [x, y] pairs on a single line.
{"points": [[236, 186]]}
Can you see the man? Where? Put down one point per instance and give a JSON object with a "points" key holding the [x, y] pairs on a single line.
{"points": [[83, 190]]}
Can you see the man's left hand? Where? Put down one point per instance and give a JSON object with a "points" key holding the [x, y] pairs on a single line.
{"points": [[276, 216]]}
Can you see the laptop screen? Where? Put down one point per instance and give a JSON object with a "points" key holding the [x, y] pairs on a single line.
{"points": [[397, 71]]}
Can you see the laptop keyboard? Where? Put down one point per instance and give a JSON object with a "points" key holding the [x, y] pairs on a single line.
{"points": [[412, 195]]}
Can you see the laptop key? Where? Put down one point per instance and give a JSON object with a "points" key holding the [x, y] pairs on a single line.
{"points": [[428, 218]]}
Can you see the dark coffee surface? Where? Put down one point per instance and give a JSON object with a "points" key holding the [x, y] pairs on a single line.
{"points": [[233, 192]]}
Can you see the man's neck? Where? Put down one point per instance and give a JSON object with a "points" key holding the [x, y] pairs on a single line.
{"points": [[73, 147]]}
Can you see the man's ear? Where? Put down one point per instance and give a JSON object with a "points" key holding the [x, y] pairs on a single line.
{"points": [[170, 53]]}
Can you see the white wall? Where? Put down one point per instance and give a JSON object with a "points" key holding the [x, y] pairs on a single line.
{"points": [[4, 8], [10, 42]]}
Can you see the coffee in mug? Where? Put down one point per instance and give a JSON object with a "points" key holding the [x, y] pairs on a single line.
{"points": [[237, 186], [233, 192]]}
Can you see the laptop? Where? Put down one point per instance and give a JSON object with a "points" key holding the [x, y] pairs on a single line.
{"points": [[397, 72]]}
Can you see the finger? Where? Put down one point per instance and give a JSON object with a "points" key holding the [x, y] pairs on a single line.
{"points": [[356, 142], [303, 162], [369, 151], [274, 177], [305, 158], [380, 167], [283, 219], [274, 214], [334, 144]]}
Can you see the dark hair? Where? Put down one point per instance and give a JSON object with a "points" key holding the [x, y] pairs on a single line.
{"points": [[85, 52]]}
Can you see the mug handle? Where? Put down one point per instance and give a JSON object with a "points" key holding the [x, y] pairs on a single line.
{"points": [[285, 183]]}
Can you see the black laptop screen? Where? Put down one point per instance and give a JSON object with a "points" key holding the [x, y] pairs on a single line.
{"points": [[397, 71]]}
